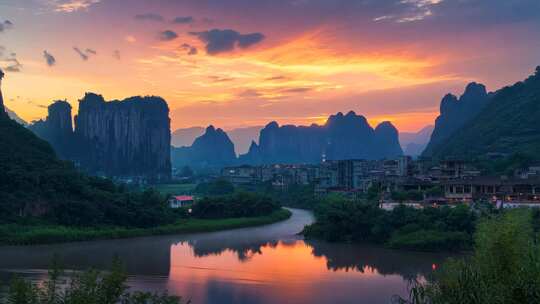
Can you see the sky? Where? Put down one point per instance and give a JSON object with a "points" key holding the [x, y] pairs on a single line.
{"points": [[238, 63]]}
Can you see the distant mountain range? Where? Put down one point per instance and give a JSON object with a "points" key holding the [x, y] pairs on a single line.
{"points": [[342, 137], [15, 117], [213, 149], [241, 137], [503, 123], [413, 144]]}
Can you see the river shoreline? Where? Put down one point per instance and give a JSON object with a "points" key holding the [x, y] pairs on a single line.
{"points": [[40, 235]]}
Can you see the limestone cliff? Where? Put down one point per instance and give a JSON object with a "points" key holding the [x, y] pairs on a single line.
{"points": [[456, 113], [57, 129], [342, 137], [129, 138], [2, 109], [213, 149]]}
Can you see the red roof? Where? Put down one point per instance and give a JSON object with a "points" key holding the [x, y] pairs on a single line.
{"points": [[183, 198]]}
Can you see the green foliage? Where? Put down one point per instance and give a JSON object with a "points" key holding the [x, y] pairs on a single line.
{"points": [[296, 196], [505, 266], [341, 220], [31, 235], [90, 287], [35, 184], [508, 124], [239, 204], [217, 187], [175, 189]]}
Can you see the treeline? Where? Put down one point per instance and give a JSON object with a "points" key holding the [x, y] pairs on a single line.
{"points": [[504, 268], [342, 220], [35, 186], [221, 199]]}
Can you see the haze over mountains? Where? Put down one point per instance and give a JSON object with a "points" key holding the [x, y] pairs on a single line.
{"points": [[131, 137], [241, 137], [342, 137], [413, 144]]}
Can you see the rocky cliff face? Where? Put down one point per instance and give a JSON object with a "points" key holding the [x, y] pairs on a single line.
{"points": [[57, 129], [129, 138], [506, 126], [455, 113], [211, 150], [2, 109], [342, 137], [125, 138]]}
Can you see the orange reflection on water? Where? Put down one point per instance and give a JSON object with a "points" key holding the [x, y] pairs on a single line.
{"points": [[276, 272]]}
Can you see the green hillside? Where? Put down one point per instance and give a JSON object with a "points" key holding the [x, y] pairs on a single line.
{"points": [[35, 185], [509, 124]]}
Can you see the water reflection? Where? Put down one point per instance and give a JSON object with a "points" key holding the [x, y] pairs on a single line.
{"points": [[258, 265]]}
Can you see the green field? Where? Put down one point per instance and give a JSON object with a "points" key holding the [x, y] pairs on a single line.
{"points": [[33, 235], [175, 189]]}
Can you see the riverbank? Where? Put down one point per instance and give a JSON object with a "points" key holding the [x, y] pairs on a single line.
{"points": [[34, 235]]}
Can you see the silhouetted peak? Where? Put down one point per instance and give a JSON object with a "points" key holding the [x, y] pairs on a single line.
{"points": [[60, 104], [91, 99], [210, 129], [339, 114], [2, 109], [272, 125], [448, 101], [253, 147], [351, 114], [474, 90], [386, 127]]}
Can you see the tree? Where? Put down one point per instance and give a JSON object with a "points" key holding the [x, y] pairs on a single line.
{"points": [[505, 266], [186, 171]]}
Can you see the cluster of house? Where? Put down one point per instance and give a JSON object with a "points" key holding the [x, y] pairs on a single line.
{"points": [[455, 181]]}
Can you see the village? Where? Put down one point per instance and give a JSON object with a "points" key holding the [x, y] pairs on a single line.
{"points": [[417, 183]]}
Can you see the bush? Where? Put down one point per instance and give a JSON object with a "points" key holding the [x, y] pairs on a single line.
{"points": [[241, 204], [342, 220], [90, 287], [505, 266]]}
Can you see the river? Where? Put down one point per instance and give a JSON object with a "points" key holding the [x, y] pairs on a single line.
{"points": [[267, 264]]}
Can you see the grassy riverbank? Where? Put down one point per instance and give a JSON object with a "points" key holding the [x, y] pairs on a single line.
{"points": [[39, 234]]}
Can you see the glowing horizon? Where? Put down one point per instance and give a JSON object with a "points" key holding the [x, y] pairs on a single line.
{"points": [[387, 60]]}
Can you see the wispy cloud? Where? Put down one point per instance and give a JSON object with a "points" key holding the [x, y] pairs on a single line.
{"points": [[168, 35], [70, 6], [149, 17], [81, 53], [5, 25], [221, 41], [49, 58], [184, 20]]}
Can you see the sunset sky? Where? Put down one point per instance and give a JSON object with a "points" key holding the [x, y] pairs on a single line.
{"points": [[235, 63]]}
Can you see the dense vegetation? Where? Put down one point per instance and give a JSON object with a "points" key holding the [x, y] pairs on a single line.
{"points": [[90, 287], [342, 220], [505, 266], [216, 187], [508, 125], [45, 234], [43, 200], [35, 185], [239, 204]]}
